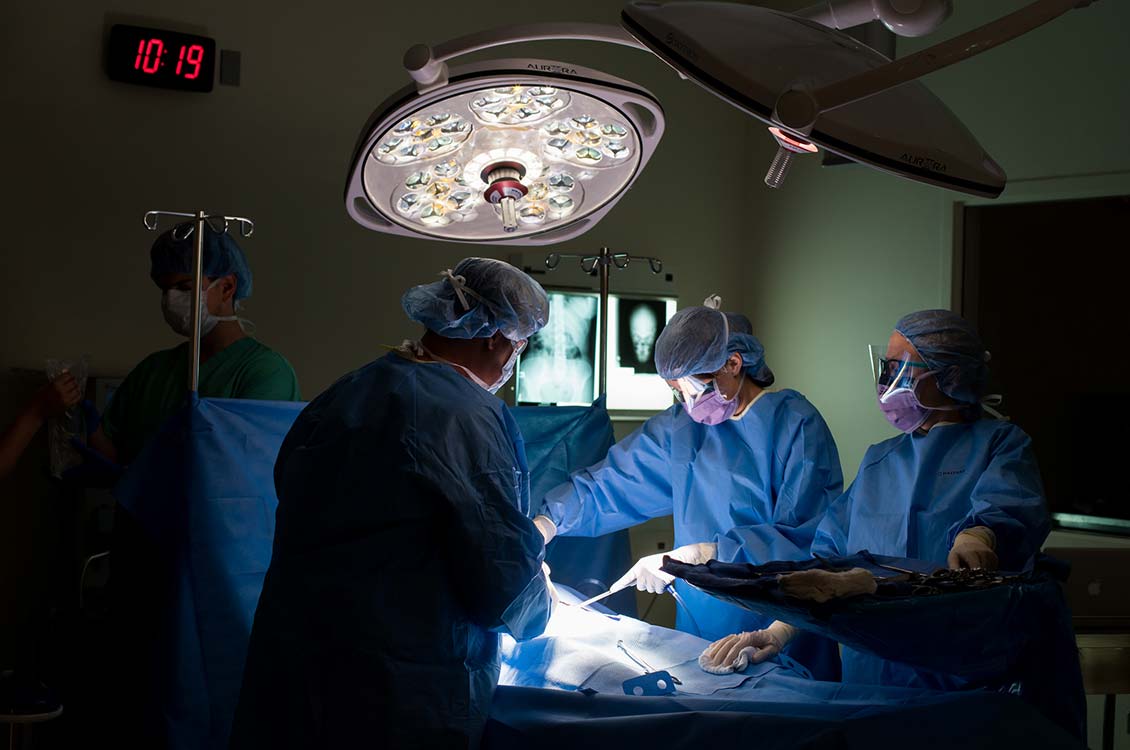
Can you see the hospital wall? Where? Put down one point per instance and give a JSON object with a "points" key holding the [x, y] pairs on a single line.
{"points": [[839, 253]]}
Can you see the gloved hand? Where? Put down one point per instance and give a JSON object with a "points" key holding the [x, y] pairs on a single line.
{"points": [[974, 548], [735, 652], [648, 576], [554, 598], [546, 526]]}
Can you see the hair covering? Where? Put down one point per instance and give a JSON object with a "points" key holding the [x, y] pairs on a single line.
{"points": [[949, 344], [222, 257], [699, 340], [481, 297]]}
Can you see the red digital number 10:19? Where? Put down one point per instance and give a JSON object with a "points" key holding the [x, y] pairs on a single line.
{"points": [[149, 52]]}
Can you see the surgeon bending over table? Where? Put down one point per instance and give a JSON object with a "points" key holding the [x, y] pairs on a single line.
{"points": [[746, 472]]}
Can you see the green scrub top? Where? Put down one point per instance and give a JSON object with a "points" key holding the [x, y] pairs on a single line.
{"points": [[158, 386]]}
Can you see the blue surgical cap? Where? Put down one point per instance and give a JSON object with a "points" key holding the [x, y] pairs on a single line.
{"points": [[949, 344], [496, 296], [222, 257], [699, 340]]}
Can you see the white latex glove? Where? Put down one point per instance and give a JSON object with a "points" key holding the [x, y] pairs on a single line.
{"points": [[554, 598], [547, 527], [735, 652], [974, 548], [648, 576]]}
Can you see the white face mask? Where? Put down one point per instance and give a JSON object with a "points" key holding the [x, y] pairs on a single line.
{"points": [[176, 305], [507, 371], [503, 378]]}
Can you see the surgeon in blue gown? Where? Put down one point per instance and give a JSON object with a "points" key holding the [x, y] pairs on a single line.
{"points": [[403, 544], [954, 489], [746, 472]]}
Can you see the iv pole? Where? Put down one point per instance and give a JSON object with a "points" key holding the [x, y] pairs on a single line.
{"points": [[604, 262], [246, 227]]}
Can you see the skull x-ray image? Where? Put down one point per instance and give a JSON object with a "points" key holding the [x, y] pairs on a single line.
{"points": [[640, 323], [559, 365]]}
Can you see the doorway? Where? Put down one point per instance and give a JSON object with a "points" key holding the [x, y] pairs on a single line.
{"points": [[1048, 286]]}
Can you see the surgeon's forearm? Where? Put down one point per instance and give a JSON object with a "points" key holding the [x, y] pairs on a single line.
{"points": [[99, 441], [528, 614], [1009, 500], [563, 506], [593, 506]]}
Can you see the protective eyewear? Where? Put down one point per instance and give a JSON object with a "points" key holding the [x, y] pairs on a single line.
{"points": [[895, 373], [689, 389]]}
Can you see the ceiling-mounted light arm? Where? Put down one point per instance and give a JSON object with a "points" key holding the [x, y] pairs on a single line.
{"points": [[912, 67], [428, 65], [905, 18], [798, 110]]}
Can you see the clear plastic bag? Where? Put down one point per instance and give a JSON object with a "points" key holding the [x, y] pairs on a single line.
{"points": [[71, 424]]}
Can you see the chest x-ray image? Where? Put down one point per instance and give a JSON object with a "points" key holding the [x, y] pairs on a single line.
{"points": [[559, 367], [640, 323]]}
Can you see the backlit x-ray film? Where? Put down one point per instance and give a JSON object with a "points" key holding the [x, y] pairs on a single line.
{"points": [[634, 325], [559, 366]]}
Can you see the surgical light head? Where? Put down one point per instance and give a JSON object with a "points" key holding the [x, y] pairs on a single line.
{"points": [[501, 155]]}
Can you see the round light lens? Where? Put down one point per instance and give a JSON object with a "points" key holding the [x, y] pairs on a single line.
{"points": [[426, 168]]}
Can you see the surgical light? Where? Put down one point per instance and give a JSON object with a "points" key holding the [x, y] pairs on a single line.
{"points": [[503, 155], [532, 152]]}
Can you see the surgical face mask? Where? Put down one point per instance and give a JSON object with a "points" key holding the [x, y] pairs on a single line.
{"points": [[897, 393], [704, 403], [903, 409], [712, 409], [504, 376], [176, 305], [508, 368]]}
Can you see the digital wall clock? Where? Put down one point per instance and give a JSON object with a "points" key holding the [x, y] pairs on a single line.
{"points": [[156, 57]]}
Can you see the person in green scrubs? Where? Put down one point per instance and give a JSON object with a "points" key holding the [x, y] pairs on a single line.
{"points": [[232, 364]]}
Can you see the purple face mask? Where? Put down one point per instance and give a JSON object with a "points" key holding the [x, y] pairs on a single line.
{"points": [[710, 408], [902, 408]]}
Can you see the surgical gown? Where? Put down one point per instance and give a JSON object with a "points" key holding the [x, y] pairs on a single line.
{"points": [[914, 494], [756, 486], [402, 549]]}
